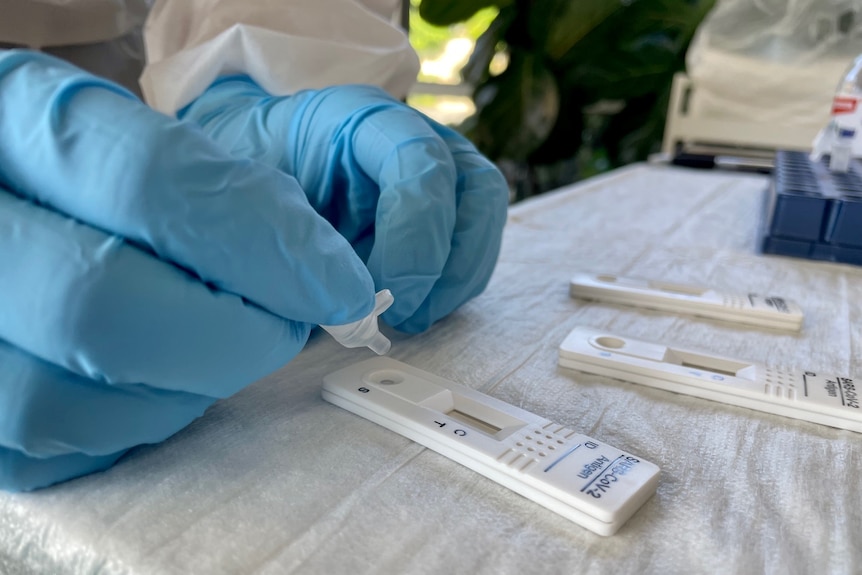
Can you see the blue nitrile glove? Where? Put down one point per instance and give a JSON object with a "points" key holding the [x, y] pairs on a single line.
{"points": [[144, 272], [415, 199]]}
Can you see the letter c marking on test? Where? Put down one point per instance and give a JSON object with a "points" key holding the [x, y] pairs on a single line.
{"points": [[460, 432], [364, 390]]}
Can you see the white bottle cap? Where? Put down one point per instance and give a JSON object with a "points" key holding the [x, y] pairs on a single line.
{"points": [[364, 333]]}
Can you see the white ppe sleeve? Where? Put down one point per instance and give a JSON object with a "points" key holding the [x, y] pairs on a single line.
{"points": [[284, 45]]}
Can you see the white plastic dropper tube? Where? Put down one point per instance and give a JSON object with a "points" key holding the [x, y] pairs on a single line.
{"points": [[365, 333], [842, 150]]}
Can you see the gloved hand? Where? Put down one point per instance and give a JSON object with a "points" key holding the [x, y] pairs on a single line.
{"points": [[145, 272], [420, 205]]}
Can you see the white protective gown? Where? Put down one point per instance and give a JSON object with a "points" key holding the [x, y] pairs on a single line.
{"points": [[285, 45]]}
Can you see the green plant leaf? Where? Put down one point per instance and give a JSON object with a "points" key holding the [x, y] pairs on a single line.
{"points": [[566, 55], [634, 132], [515, 110], [476, 70], [448, 12], [565, 138], [635, 51], [566, 23]]}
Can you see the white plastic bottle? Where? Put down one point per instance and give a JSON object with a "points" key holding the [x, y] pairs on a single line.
{"points": [[839, 137]]}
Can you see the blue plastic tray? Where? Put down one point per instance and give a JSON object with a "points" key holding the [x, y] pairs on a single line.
{"points": [[812, 212]]}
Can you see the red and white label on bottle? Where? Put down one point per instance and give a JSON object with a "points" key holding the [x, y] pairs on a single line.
{"points": [[844, 105]]}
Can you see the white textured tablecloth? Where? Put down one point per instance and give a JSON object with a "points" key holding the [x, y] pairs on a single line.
{"points": [[275, 480]]}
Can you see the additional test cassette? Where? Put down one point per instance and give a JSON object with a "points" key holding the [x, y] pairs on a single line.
{"points": [[750, 309], [808, 395], [584, 480]]}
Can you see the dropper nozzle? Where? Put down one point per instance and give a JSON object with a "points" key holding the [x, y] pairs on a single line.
{"points": [[365, 333]]}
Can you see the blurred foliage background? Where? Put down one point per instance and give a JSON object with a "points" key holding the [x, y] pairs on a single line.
{"points": [[558, 90]]}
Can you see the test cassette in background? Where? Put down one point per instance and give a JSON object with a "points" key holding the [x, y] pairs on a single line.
{"points": [[809, 395], [749, 309]]}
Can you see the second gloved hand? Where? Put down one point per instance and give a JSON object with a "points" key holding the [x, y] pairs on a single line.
{"points": [[419, 204], [144, 272]]}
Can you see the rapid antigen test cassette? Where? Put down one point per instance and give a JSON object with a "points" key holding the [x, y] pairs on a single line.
{"points": [[584, 480], [816, 397], [750, 309]]}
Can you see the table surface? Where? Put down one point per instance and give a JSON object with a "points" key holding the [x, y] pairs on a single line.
{"points": [[276, 480]]}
